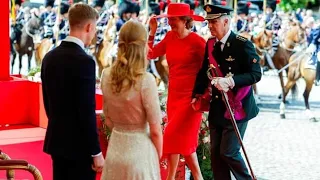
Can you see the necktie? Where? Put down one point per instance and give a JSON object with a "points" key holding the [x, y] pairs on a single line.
{"points": [[217, 49]]}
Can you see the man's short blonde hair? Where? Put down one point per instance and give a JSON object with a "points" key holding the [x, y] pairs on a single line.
{"points": [[80, 13]]}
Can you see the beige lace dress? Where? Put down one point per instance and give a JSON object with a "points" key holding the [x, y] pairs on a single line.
{"points": [[131, 154]]}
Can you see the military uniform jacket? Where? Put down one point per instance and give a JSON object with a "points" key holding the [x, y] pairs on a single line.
{"points": [[239, 60], [275, 21], [242, 25], [314, 38], [63, 29]]}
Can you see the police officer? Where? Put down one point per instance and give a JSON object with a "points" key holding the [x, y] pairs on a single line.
{"points": [[239, 65], [64, 24], [48, 18]]}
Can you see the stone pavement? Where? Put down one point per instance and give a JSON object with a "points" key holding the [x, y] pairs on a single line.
{"points": [[284, 149]]}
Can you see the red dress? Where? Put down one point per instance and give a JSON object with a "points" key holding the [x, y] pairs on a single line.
{"points": [[184, 57]]}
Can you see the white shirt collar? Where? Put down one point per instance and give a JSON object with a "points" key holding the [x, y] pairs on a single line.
{"points": [[225, 37], [74, 40]]}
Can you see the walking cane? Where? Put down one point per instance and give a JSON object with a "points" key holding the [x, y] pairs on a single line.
{"points": [[234, 124]]}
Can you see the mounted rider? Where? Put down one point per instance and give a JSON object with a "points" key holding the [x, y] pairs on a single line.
{"points": [[102, 21], [64, 24], [273, 22], [18, 21], [48, 18], [242, 11], [314, 47]]}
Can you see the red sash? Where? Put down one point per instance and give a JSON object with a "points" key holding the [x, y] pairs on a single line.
{"points": [[234, 100]]}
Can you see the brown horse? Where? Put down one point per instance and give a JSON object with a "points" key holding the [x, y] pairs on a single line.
{"points": [[293, 38], [262, 42], [296, 70]]}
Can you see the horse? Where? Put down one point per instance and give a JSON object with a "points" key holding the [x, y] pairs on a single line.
{"points": [[25, 44], [297, 70], [263, 43], [293, 38]]}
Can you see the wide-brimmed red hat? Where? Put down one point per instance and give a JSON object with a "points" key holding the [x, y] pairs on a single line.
{"points": [[180, 9]]}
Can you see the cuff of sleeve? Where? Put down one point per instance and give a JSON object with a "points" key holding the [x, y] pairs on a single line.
{"points": [[151, 38], [231, 82], [96, 154]]}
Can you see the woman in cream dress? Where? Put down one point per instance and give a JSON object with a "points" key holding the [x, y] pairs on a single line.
{"points": [[132, 111]]}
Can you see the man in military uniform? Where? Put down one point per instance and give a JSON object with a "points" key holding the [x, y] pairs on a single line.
{"points": [[64, 24], [102, 21], [273, 22], [18, 22], [125, 10], [314, 49], [48, 18], [242, 11], [238, 62]]}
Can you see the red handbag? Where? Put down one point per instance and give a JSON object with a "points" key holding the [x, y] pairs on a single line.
{"points": [[202, 103]]}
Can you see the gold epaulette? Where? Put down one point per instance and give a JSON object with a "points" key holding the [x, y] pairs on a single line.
{"points": [[241, 38]]}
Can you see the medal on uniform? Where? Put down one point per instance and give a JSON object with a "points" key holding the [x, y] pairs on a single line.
{"points": [[230, 59]]}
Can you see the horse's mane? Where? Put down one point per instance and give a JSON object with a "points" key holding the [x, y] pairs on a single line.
{"points": [[292, 32]]}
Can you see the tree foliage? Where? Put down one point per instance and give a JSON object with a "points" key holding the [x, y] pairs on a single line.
{"points": [[289, 5]]}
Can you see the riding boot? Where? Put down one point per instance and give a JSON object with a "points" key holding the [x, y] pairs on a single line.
{"points": [[317, 80]]}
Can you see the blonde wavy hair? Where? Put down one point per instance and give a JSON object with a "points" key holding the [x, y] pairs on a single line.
{"points": [[131, 58]]}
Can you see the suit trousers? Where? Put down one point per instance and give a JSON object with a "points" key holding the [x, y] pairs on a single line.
{"points": [[67, 169], [225, 153]]}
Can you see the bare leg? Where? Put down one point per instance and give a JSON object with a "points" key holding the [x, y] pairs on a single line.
{"points": [[192, 162], [173, 160]]}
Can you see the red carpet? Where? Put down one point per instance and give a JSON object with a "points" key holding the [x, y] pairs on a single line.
{"points": [[31, 152], [24, 142]]}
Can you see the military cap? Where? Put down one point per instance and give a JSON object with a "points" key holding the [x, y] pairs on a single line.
{"points": [[64, 8], [18, 2], [243, 7], [154, 8], [49, 3], [216, 11], [272, 4], [98, 3]]}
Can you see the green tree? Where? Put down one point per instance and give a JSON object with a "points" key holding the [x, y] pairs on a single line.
{"points": [[289, 5]]}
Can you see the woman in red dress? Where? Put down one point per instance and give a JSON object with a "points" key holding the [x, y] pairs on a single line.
{"points": [[184, 51]]}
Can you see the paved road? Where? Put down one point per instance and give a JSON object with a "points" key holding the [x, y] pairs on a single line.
{"points": [[280, 149], [284, 148]]}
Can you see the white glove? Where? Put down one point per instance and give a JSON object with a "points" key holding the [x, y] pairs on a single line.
{"points": [[223, 84], [311, 48]]}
